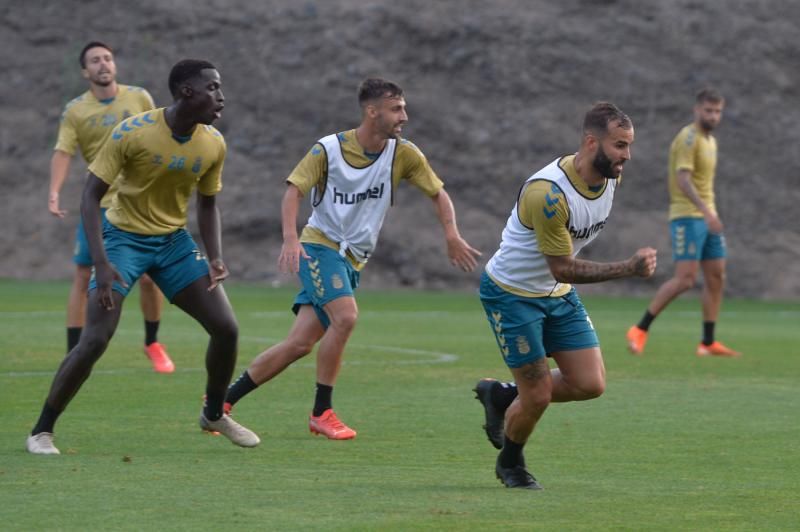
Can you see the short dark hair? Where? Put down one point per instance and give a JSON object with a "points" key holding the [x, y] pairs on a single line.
{"points": [[709, 94], [374, 88], [185, 70], [602, 114], [89, 46]]}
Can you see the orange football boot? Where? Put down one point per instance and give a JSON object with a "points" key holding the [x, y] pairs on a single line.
{"points": [[636, 339], [717, 349], [157, 353], [330, 426]]}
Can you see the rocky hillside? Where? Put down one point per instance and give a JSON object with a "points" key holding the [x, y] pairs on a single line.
{"points": [[495, 90]]}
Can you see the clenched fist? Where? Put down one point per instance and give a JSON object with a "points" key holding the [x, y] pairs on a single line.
{"points": [[644, 262]]}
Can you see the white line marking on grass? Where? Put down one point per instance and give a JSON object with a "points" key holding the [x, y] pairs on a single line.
{"points": [[421, 314], [371, 313], [695, 313], [427, 357], [119, 371], [31, 313], [435, 357]]}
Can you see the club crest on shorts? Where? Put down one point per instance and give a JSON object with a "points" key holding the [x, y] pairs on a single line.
{"points": [[336, 281], [523, 347]]}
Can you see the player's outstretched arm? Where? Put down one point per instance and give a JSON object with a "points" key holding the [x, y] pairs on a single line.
{"points": [[567, 269], [461, 254]]}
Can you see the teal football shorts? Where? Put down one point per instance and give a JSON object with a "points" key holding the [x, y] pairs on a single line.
{"points": [[173, 261], [530, 328], [325, 276]]}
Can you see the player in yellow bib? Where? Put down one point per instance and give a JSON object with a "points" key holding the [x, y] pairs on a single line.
{"points": [[85, 125], [350, 178], [157, 158], [695, 227]]}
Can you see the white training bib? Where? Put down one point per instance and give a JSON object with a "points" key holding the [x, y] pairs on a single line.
{"points": [[351, 208], [519, 263]]}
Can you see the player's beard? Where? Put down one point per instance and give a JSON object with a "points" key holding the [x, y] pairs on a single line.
{"points": [[389, 129], [603, 164], [102, 83], [706, 126], [390, 134]]}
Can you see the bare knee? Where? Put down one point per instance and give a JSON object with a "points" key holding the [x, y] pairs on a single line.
{"points": [[299, 347], [345, 321], [92, 344], [226, 330], [716, 277], [685, 281], [535, 386], [146, 283], [593, 388], [535, 398]]}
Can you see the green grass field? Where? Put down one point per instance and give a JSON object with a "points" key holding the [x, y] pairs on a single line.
{"points": [[676, 442]]}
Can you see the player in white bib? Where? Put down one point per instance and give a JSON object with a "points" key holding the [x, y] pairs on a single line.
{"points": [[526, 288], [350, 178]]}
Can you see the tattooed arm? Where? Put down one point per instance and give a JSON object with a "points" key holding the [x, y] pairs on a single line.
{"points": [[567, 269]]}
